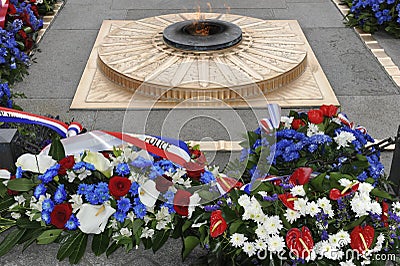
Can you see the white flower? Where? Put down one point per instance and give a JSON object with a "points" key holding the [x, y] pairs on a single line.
{"points": [[5, 174], [93, 218], [301, 206], [273, 224], [15, 215], [260, 244], [244, 201], [71, 176], [263, 193], [292, 215], [287, 121], [237, 240], [131, 216], [344, 238], [396, 208], [147, 233], [249, 248], [125, 232], [344, 138], [193, 203], [76, 201], [298, 191], [100, 162], [82, 173], [39, 1], [359, 206], [148, 194], [312, 208], [275, 243], [376, 208], [35, 163], [261, 232], [20, 199], [313, 130], [325, 205], [344, 182], [365, 187]]}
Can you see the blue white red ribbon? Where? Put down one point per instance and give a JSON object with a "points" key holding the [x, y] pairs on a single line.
{"points": [[269, 124], [345, 121]]}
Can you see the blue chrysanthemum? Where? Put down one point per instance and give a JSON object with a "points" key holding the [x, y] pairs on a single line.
{"points": [[122, 169], [207, 177], [140, 162], [124, 204], [60, 195], [39, 190], [72, 223], [120, 216], [46, 217], [134, 189], [47, 205], [19, 172]]}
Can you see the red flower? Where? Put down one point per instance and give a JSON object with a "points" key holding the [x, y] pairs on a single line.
{"points": [[12, 192], [106, 154], [181, 202], [300, 242], [329, 110], [60, 215], [66, 164], [362, 238], [297, 123], [315, 116], [194, 170], [336, 194], [11, 9], [218, 224], [119, 186], [301, 176], [195, 154], [288, 200], [384, 216], [162, 184]]}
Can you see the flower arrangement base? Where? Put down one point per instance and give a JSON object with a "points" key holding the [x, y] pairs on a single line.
{"points": [[274, 58]]}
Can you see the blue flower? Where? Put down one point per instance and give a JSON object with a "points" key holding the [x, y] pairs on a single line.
{"points": [[169, 196], [47, 205], [139, 209], [49, 174], [92, 197], [81, 189], [46, 217], [124, 204], [120, 216], [72, 223], [207, 177], [140, 162], [122, 169], [19, 172], [39, 191], [134, 189], [170, 207], [60, 195]]}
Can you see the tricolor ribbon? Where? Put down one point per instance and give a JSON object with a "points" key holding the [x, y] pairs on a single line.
{"points": [[269, 124], [345, 121]]}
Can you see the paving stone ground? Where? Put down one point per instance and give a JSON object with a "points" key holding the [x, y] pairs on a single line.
{"points": [[365, 91]]}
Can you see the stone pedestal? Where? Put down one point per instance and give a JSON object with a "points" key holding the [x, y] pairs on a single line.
{"points": [[8, 152]]}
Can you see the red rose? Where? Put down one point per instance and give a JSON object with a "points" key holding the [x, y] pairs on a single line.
{"points": [[60, 215], [119, 186], [300, 242], [181, 202], [301, 176], [297, 123], [162, 184], [315, 116], [362, 238], [194, 170], [12, 192], [218, 224], [328, 110], [66, 164], [195, 153]]}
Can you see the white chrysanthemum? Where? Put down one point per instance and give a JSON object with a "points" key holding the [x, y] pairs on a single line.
{"points": [[313, 130], [312, 208], [298, 191], [287, 121], [324, 204], [344, 182], [261, 232], [244, 201], [301, 206], [365, 188], [344, 238], [359, 206], [292, 215], [273, 224], [125, 232], [344, 138], [249, 248], [376, 208], [260, 244], [147, 233], [396, 208], [275, 243], [237, 240]]}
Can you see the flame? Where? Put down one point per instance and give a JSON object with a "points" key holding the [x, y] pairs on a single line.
{"points": [[209, 7], [201, 28], [227, 7]]}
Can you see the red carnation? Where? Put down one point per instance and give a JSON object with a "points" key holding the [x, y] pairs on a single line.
{"points": [[297, 123], [181, 202], [218, 224], [66, 164], [328, 110], [194, 170], [315, 116], [119, 186], [60, 215], [301, 176], [12, 192], [162, 184]]}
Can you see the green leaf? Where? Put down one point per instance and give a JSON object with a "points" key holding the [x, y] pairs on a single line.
{"points": [[79, 250], [68, 247], [136, 225], [381, 194], [6, 222], [317, 182], [57, 151], [189, 243], [159, 239], [21, 184], [100, 243], [186, 225], [4, 204], [24, 222], [233, 227], [112, 248], [30, 237], [48, 236], [10, 241], [355, 223], [3, 190]]}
